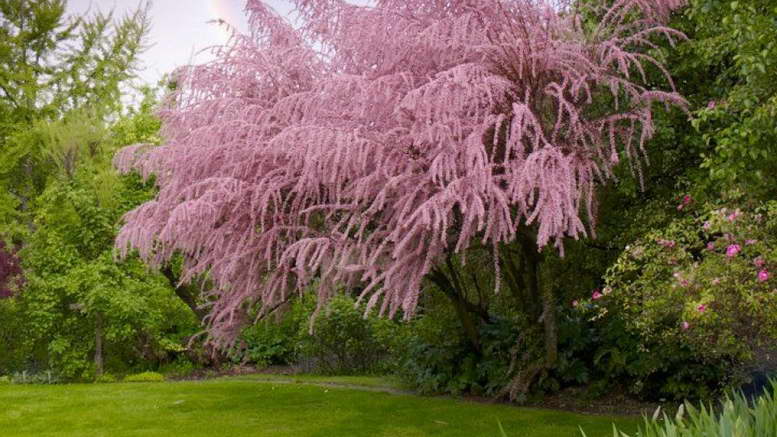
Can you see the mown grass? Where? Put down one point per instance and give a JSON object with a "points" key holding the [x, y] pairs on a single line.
{"points": [[242, 407], [377, 382]]}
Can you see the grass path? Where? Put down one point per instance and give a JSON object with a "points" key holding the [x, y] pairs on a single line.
{"points": [[266, 407]]}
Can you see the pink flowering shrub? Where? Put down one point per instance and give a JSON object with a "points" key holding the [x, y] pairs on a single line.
{"points": [[709, 298]]}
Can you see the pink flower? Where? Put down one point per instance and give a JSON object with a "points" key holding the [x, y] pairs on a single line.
{"points": [[596, 295], [706, 226], [750, 242], [614, 158], [715, 281], [574, 303], [667, 243], [733, 250], [711, 104], [759, 262], [702, 308], [734, 215], [606, 290], [685, 202], [685, 325], [763, 276], [710, 246]]}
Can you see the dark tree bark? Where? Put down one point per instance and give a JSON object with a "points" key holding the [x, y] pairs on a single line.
{"points": [[186, 292], [98, 345]]}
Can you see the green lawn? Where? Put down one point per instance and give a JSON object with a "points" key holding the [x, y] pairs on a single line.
{"points": [[252, 407]]}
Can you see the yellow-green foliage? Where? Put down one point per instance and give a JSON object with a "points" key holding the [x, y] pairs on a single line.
{"points": [[145, 377]]}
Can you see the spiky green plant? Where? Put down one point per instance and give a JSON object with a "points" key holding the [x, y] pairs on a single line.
{"points": [[736, 417]]}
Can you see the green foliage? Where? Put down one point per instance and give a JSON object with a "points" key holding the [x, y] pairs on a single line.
{"points": [[342, 340], [51, 63], [435, 356], [75, 290], [730, 60], [106, 378], [271, 342], [145, 377], [61, 78], [139, 124], [689, 308], [736, 416], [275, 340], [5, 380], [178, 369], [15, 352], [74, 281]]}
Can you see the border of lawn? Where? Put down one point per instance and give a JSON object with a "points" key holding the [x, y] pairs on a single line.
{"points": [[301, 405]]}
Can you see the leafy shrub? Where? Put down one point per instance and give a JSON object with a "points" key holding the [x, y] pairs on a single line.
{"points": [[145, 377], [5, 380], [343, 341], [274, 341], [436, 356], [105, 378], [736, 417], [688, 310], [16, 352], [180, 368]]}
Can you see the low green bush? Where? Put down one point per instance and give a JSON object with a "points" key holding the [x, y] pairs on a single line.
{"points": [[736, 417], [145, 377], [436, 357], [5, 380], [342, 340], [274, 340], [180, 368], [105, 378]]}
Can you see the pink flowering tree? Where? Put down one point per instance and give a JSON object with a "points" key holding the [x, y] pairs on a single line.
{"points": [[369, 147]]}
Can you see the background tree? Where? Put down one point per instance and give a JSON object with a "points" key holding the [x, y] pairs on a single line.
{"points": [[81, 312], [52, 64], [734, 47]]}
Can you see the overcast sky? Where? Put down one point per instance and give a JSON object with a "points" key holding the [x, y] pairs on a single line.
{"points": [[180, 28]]}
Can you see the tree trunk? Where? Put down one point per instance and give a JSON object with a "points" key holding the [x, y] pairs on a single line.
{"points": [[186, 292], [551, 327], [545, 295], [537, 300], [469, 314], [98, 345]]}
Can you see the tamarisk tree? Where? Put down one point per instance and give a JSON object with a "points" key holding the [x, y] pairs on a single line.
{"points": [[365, 146]]}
